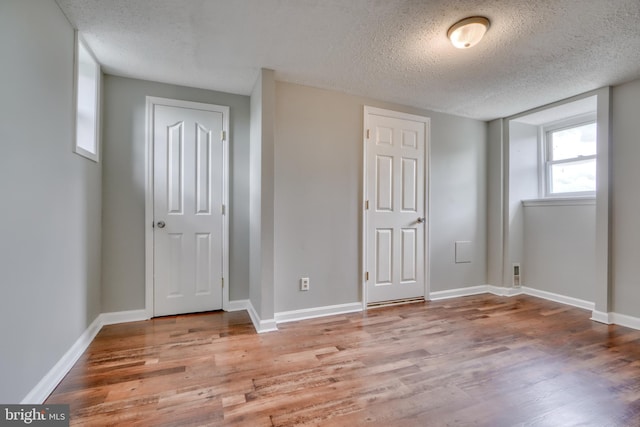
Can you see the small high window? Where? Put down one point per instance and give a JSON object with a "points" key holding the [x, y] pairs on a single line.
{"points": [[87, 101], [570, 159]]}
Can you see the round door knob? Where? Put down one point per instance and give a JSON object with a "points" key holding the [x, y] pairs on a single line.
{"points": [[421, 220], [160, 224]]}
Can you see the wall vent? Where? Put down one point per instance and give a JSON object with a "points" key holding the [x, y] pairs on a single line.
{"points": [[517, 272]]}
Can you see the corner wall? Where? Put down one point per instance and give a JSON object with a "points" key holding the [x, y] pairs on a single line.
{"points": [[50, 221], [495, 210], [523, 185], [261, 205]]}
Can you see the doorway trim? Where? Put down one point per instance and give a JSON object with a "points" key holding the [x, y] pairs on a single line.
{"points": [[368, 110], [151, 102]]}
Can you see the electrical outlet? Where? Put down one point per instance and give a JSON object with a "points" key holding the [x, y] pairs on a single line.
{"points": [[304, 284]]}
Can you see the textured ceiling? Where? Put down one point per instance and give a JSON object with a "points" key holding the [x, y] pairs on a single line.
{"points": [[536, 51]]}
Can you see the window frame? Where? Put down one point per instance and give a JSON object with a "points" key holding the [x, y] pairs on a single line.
{"points": [[90, 149], [546, 150]]}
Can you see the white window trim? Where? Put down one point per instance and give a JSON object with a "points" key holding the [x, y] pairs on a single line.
{"points": [[545, 148], [90, 150], [560, 201]]}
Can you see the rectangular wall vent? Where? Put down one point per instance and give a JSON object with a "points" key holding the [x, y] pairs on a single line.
{"points": [[517, 272]]}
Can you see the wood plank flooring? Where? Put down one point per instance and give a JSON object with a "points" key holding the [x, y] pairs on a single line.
{"points": [[472, 361]]}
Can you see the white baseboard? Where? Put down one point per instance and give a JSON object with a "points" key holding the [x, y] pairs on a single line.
{"points": [[601, 317], [504, 291], [294, 315], [311, 313], [238, 305], [509, 292], [624, 320], [580, 303], [460, 292], [615, 319], [475, 290], [597, 316], [123, 317], [261, 326], [50, 381]]}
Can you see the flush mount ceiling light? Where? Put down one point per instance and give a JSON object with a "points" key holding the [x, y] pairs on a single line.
{"points": [[468, 32]]}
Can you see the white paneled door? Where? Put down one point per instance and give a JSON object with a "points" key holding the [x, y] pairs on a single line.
{"points": [[395, 210], [188, 189]]}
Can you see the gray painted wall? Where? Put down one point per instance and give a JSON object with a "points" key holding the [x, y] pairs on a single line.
{"points": [[318, 193], [625, 177], [318, 197], [523, 185], [50, 220], [123, 250], [559, 250], [458, 200]]}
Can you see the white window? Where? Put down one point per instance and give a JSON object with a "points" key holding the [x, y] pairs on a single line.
{"points": [[87, 102], [570, 158]]}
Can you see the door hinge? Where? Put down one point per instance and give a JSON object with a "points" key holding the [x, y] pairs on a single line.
{"points": [[224, 210], [368, 134], [223, 282], [223, 135], [366, 205], [366, 276]]}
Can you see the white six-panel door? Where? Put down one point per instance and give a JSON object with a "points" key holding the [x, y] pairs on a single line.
{"points": [[395, 218], [188, 178]]}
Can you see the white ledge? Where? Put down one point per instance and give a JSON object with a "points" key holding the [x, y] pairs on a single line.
{"points": [[560, 201]]}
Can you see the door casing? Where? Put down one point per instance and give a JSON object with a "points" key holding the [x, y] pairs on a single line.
{"points": [[427, 199], [151, 101]]}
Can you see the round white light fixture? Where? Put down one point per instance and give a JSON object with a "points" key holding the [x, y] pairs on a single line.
{"points": [[468, 32]]}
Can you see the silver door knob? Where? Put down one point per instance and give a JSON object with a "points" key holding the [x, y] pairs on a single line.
{"points": [[421, 220], [160, 224]]}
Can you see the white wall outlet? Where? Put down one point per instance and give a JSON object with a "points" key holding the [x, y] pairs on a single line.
{"points": [[304, 284]]}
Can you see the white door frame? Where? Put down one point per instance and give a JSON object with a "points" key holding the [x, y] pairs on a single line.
{"points": [[148, 211], [427, 196]]}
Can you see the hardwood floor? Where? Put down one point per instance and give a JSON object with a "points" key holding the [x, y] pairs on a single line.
{"points": [[482, 361]]}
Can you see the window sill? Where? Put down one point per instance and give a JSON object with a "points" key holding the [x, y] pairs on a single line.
{"points": [[560, 201]]}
